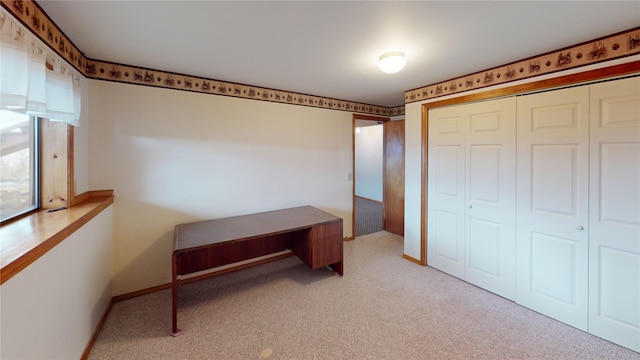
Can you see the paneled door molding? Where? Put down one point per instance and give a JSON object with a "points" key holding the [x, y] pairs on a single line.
{"points": [[472, 193], [614, 212], [552, 197]]}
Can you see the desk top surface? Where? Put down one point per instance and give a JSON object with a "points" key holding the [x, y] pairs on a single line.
{"points": [[210, 232]]}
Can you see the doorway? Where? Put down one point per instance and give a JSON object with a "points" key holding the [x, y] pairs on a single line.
{"points": [[368, 179], [378, 175]]}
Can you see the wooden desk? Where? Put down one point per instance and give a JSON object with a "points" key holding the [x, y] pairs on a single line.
{"points": [[313, 235]]}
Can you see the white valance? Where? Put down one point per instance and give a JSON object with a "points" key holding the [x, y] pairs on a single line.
{"points": [[27, 85]]}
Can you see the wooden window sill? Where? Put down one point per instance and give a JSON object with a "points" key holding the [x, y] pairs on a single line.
{"points": [[24, 241]]}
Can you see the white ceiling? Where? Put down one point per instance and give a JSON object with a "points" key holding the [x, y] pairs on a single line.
{"points": [[330, 48]]}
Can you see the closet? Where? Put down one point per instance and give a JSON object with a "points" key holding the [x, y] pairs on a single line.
{"points": [[537, 199]]}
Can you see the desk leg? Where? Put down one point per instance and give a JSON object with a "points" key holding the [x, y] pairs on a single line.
{"points": [[174, 297], [337, 267]]}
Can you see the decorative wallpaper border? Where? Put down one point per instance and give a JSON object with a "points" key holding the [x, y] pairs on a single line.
{"points": [[37, 21], [607, 48], [130, 74]]}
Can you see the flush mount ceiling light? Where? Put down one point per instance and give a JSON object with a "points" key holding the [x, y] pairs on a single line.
{"points": [[391, 62]]}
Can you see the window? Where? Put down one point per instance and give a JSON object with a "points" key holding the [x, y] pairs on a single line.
{"points": [[19, 180]]}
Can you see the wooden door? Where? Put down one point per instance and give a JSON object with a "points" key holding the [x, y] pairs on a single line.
{"points": [[445, 190], [552, 206], [490, 182], [393, 173], [614, 216]]}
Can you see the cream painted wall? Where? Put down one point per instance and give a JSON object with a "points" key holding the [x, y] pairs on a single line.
{"points": [[51, 309], [413, 153], [175, 156]]}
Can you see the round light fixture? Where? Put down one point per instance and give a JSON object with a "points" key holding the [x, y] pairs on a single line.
{"points": [[391, 62]]}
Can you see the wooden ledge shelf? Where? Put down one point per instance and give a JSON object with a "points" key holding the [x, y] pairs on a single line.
{"points": [[24, 241]]}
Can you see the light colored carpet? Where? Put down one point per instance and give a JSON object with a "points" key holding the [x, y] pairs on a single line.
{"points": [[384, 307]]}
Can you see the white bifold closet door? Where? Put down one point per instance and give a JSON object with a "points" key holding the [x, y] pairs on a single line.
{"points": [[552, 210], [471, 193], [445, 190], [614, 216]]}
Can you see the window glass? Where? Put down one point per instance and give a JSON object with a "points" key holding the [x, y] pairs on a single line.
{"points": [[18, 164]]}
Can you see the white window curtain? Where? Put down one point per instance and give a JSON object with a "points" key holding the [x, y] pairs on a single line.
{"points": [[26, 85]]}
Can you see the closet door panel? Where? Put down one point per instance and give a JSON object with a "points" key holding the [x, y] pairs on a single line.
{"points": [[614, 264], [484, 247], [445, 234], [552, 210], [554, 183], [490, 200]]}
